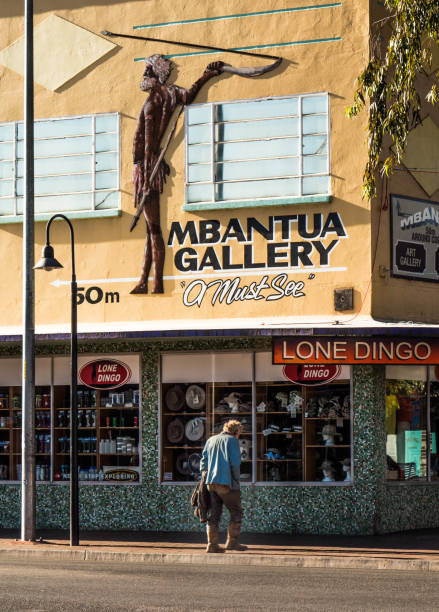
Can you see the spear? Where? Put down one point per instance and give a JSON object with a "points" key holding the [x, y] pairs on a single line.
{"points": [[192, 45]]}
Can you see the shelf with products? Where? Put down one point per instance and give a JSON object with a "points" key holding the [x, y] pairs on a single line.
{"points": [[279, 431], [52, 431], [96, 440], [232, 400], [228, 401], [327, 432], [183, 430], [42, 409], [5, 433]]}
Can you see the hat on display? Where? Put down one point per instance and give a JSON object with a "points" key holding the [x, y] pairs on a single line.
{"points": [[175, 431], [246, 425], [194, 462], [182, 464], [174, 398], [195, 397], [245, 446], [194, 429], [233, 399]]}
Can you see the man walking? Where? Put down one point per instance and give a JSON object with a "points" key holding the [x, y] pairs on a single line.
{"points": [[221, 460]]}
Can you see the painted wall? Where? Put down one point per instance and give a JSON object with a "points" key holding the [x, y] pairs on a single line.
{"points": [[323, 48]]}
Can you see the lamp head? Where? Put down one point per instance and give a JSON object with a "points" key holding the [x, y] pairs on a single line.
{"points": [[47, 261]]}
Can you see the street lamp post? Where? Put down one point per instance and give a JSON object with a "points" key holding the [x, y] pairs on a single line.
{"points": [[48, 262]]}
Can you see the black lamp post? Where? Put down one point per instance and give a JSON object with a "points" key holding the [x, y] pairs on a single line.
{"points": [[48, 262]]}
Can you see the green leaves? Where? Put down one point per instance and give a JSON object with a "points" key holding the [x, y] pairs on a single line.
{"points": [[402, 49]]}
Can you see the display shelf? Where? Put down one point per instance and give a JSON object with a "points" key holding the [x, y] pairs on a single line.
{"points": [[279, 461], [262, 412], [328, 445], [327, 418], [192, 413], [304, 450], [113, 428], [279, 433], [119, 454], [52, 407], [230, 414]]}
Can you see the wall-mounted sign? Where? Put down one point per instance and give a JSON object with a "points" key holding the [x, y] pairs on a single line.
{"points": [[311, 375], [415, 238], [104, 374], [327, 350], [215, 260]]}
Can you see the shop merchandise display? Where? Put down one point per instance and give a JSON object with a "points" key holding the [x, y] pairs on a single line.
{"points": [[328, 471], [328, 434], [346, 467], [288, 432], [108, 431], [175, 398], [183, 435], [195, 397], [175, 431], [406, 426]]}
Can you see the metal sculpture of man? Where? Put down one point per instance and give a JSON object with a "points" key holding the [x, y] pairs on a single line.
{"points": [[150, 167]]}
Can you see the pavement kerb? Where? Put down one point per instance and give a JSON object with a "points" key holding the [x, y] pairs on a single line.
{"points": [[316, 561]]}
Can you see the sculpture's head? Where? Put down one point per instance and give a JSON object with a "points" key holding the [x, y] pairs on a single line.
{"points": [[157, 68]]}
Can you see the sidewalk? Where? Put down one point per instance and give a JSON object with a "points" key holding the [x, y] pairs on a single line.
{"points": [[414, 550]]}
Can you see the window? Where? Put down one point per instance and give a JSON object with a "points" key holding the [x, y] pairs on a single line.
{"points": [[412, 417], [256, 152], [291, 433], [109, 434], [76, 166]]}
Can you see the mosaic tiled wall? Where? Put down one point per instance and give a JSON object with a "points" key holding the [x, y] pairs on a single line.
{"points": [[365, 507]]}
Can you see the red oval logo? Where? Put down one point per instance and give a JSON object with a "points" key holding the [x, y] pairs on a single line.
{"points": [[104, 374], [311, 375]]}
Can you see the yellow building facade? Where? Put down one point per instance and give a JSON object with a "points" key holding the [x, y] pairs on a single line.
{"points": [[260, 225]]}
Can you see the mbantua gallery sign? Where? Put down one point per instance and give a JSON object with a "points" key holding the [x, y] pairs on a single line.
{"points": [[339, 350]]}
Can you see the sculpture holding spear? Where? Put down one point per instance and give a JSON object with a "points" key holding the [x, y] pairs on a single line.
{"points": [[150, 167]]}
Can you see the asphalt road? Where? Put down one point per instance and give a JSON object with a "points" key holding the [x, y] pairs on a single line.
{"points": [[41, 586]]}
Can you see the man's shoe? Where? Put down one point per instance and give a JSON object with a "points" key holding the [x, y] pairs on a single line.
{"points": [[232, 538], [213, 539]]}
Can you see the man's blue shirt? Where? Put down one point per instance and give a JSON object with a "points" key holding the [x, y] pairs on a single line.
{"points": [[221, 459]]}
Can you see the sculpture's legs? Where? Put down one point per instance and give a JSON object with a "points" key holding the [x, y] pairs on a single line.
{"points": [[154, 253], [142, 285]]}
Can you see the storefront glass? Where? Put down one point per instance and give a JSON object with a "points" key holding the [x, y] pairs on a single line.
{"points": [[411, 405], [109, 441], [292, 432]]}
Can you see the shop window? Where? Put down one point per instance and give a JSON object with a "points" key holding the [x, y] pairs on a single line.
{"points": [[408, 424], [434, 421], [76, 166], [109, 440], [244, 153], [291, 433]]}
